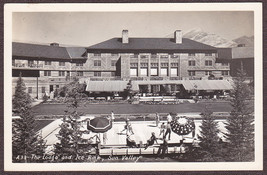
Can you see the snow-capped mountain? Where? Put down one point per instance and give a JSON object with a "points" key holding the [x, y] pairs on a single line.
{"points": [[199, 35]]}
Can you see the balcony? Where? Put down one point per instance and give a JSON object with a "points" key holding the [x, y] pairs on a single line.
{"points": [[21, 65]]}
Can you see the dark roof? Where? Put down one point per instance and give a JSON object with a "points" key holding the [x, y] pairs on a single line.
{"points": [[235, 53], [242, 52], [46, 51], [76, 52], [167, 44], [224, 53]]}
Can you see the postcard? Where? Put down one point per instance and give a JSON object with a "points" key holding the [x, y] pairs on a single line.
{"points": [[133, 87]]}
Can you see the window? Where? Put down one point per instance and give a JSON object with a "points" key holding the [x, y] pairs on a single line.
{"points": [[79, 64], [133, 72], [79, 73], [143, 71], [208, 63], [164, 64], [97, 74], [97, 54], [208, 72], [164, 71], [43, 89], [164, 56], [29, 90], [191, 54], [47, 62], [191, 73], [144, 64], [13, 62], [143, 56], [61, 73], [61, 63], [134, 56], [191, 63], [225, 72], [174, 64], [47, 73], [174, 71], [154, 56], [208, 54], [224, 64], [113, 74], [113, 62], [174, 56], [154, 64], [154, 71], [97, 63], [57, 86], [30, 62], [134, 64]]}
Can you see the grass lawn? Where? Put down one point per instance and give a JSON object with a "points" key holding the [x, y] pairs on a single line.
{"points": [[58, 109], [39, 124]]}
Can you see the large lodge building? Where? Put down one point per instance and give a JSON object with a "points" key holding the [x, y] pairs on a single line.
{"points": [[150, 63]]}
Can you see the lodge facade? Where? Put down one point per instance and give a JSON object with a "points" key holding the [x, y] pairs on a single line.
{"points": [[177, 62]]}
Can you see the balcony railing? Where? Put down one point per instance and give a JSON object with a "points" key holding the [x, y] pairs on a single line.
{"points": [[28, 65]]}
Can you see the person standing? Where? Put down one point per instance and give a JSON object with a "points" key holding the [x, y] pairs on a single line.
{"points": [[169, 117], [168, 131], [163, 148], [112, 117], [162, 129], [157, 119]]}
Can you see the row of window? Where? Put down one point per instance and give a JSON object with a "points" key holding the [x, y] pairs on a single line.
{"points": [[154, 64], [193, 63], [78, 73], [162, 55], [153, 71], [165, 72], [30, 90], [193, 73]]}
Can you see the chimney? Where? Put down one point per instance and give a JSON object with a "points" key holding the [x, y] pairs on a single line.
{"points": [[54, 44], [178, 36], [125, 38]]}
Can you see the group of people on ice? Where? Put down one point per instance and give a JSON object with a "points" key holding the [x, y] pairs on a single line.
{"points": [[165, 132]]}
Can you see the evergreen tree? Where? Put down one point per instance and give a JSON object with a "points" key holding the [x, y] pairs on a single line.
{"points": [[70, 134], [240, 125], [25, 142], [210, 147]]}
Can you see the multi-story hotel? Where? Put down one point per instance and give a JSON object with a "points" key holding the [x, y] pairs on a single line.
{"points": [[151, 63]]}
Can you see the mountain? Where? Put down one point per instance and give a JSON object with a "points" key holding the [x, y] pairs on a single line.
{"points": [[199, 35], [248, 41]]}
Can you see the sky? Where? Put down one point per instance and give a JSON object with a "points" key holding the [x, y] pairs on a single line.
{"points": [[88, 28]]}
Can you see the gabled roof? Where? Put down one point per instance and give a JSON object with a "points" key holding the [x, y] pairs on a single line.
{"points": [[167, 44], [38, 51], [76, 52]]}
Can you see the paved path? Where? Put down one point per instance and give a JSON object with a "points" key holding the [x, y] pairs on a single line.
{"points": [[57, 109]]}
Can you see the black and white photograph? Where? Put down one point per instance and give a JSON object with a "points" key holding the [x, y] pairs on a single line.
{"points": [[100, 87]]}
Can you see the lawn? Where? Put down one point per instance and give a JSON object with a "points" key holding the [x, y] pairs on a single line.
{"points": [[58, 109], [39, 124]]}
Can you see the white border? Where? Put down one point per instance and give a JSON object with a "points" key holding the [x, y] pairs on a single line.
{"points": [[9, 8]]}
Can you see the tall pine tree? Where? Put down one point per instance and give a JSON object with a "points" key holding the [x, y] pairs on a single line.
{"points": [[25, 142], [210, 147], [240, 124], [70, 134]]}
